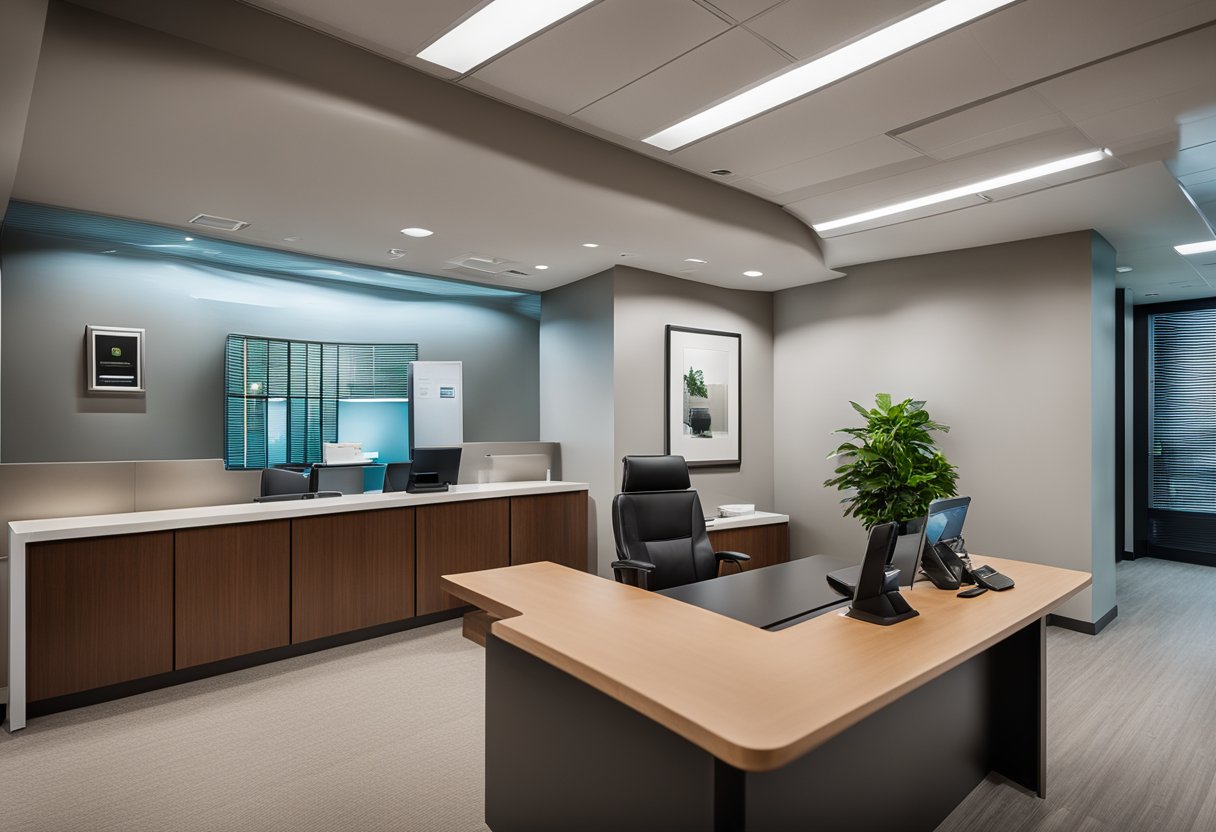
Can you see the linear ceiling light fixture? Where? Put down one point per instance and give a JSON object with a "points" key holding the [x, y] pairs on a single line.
{"points": [[496, 28], [804, 79], [1196, 248], [973, 189]]}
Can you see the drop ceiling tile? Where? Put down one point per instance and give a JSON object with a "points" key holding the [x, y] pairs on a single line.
{"points": [[939, 177], [1037, 38], [1196, 159], [1144, 75], [687, 85], [1002, 120], [397, 29], [743, 9], [806, 28], [875, 152], [906, 89], [600, 50]]}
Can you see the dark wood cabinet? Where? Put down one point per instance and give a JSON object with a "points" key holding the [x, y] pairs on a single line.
{"points": [[550, 527], [232, 591], [766, 544], [99, 611], [459, 537], [351, 570]]}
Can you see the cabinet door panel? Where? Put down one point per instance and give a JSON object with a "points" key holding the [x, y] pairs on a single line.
{"points": [[550, 527], [459, 537], [233, 590], [766, 544], [350, 571], [98, 611]]}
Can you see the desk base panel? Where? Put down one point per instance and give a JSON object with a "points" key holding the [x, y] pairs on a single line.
{"points": [[560, 755]]}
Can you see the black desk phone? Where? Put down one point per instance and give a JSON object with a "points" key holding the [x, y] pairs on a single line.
{"points": [[947, 569]]}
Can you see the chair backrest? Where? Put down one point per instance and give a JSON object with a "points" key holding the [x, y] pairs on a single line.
{"points": [[397, 476], [347, 479], [657, 518], [276, 481]]}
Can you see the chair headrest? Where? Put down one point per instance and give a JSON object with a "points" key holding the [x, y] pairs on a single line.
{"points": [[655, 473]]}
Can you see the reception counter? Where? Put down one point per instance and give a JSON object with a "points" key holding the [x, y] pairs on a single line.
{"points": [[109, 605], [612, 707]]}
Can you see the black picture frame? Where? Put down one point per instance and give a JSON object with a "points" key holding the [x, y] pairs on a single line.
{"points": [[680, 436], [114, 360]]}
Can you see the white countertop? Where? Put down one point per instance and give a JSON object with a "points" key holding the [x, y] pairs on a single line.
{"points": [[135, 522], [756, 518]]}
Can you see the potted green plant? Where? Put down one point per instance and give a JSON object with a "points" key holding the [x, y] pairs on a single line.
{"points": [[892, 464]]}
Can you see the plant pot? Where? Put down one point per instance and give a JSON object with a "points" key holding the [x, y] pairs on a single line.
{"points": [[698, 420]]}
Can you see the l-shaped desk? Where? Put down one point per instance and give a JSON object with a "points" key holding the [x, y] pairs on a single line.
{"points": [[608, 707]]}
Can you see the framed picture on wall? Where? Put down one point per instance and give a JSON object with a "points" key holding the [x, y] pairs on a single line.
{"points": [[701, 413], [114, 359]]}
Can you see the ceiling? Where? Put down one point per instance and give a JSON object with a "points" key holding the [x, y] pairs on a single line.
{"points": [[1033, 82]]}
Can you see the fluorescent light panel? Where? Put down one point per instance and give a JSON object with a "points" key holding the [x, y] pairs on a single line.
{"points": [[496, 28], [1196, 248], [820, 72], [967, 190]]}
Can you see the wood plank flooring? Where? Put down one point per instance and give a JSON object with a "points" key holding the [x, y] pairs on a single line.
{"points": [[1131, 718]]}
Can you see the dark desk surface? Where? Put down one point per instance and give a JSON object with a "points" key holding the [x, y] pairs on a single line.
{"points": [[783, 593]]}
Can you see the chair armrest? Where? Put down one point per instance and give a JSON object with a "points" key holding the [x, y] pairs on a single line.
{"points": [[732, 557], [633, 572]]}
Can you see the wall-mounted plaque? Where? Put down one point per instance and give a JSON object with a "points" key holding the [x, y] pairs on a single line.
{"points": [[114, 359]]}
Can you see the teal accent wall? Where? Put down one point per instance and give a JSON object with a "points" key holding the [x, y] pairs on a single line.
{"points": [[64, 270]]}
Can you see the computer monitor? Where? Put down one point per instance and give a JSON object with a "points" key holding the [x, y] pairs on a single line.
{"points": [[442, 463], [945, 520], [347, 479], [397, 476]]}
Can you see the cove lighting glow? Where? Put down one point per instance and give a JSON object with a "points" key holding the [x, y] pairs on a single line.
{"points": [[1196, 248], [972, 189], [797, 82], [494, 29]]}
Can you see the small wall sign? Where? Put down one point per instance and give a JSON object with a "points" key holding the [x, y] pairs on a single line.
{"points": [[114, 359]]}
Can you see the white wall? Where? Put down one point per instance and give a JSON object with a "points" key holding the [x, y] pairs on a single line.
{"points": [[576, 395], [1001, 342], [602, 385], [644, 304]]}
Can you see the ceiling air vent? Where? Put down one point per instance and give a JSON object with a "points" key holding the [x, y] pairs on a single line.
{"points": [[219, 223], [483, 265]]}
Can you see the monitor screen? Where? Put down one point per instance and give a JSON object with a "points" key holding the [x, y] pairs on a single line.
{"points": [[442, 462], [945, 520]]}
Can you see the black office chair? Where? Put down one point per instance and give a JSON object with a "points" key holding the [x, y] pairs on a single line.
{"points": [[277, 482], [660, 529]]}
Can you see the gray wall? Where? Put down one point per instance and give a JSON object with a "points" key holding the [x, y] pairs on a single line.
{"points": [[645, 303], [576, 375], [1001, 342], [20, 45], [53, 288], [602, 344], [1104, 318]]}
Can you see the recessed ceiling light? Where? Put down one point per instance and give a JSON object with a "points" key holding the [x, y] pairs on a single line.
{"points": [[290, 239], [694, 260], [1196, 248], [804, 79], [495, 28], [417, 232], [753, 273], [396, 253], [721, 172], [188, 239], [542, 268], [591, 245], [967, 190], [1124, 269]]}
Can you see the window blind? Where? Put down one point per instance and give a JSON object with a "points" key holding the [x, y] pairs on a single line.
{"points": [[1182, 411], [270, 383]]}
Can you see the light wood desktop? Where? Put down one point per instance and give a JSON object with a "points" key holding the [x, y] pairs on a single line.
{"points": [[757, 700]]}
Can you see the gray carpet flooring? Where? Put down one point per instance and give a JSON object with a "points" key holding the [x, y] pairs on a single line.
{"points": [[387, 735]]}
